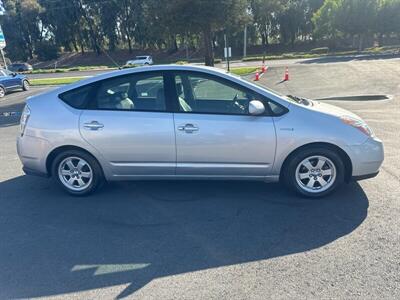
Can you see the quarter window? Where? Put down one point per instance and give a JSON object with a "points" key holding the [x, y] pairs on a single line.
{"points": [[76, 97]]}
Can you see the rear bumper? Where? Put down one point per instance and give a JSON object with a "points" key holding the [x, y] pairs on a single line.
{"points": [[32, 152], [33, 172]]}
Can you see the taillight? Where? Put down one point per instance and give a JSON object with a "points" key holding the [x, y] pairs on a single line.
{"points": [[24, 119]]}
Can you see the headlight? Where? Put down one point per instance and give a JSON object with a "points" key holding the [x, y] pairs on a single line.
{"points": [[358, 124], [24, 119]]}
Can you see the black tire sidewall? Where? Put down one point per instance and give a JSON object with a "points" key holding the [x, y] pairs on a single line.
{"points": [[290, 170], [25, 85], [97, 179], [4, 92]]}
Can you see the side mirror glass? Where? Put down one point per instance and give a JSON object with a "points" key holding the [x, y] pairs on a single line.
{"points": [[256, 108]]}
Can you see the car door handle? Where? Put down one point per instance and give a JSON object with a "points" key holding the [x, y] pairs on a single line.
{"points": [[188, 128], [94, 125]]}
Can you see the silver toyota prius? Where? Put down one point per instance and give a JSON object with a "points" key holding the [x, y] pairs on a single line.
{"points": [[187, 122]]}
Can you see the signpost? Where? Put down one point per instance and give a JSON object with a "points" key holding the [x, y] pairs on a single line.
{"points": [[227, 53], [2, 46], [2, 39]]}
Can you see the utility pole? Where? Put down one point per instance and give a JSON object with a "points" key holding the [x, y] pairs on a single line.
{"points": [[245, 42]]}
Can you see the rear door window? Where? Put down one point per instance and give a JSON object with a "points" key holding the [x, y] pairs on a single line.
{"points": [[136, 92]]}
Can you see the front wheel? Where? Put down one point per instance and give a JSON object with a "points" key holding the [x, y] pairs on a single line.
{"points": [[77, 172], [315, 172]]}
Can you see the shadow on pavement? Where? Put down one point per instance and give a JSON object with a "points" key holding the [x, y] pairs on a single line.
{"points": [[335, 59], [134, 232]]}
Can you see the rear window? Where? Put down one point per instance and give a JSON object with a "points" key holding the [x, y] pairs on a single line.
{"points": [[77, 98]]}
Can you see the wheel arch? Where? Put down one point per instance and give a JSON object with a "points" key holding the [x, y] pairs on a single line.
{"points": [[53, 154], [345, 157]]}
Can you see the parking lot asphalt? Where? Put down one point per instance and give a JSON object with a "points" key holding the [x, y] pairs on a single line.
{"points": [[212, 240]]}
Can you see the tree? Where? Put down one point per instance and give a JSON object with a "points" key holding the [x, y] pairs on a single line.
{"points": [[357, 18], [265, 14], [388, 17], [207, 17], [324, 20]]}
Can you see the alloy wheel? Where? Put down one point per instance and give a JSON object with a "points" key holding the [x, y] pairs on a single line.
{"points": [[316, 174], [75, 173]]}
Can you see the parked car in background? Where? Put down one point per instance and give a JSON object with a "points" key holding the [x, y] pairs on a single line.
{"points": [[20, 67], [10, 81], [189, 122], [141, 61]]}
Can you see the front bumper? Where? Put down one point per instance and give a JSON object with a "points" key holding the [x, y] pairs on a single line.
{"points": [[363, 177], [366, 158]]}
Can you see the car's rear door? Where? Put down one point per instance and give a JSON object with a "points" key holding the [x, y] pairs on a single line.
{"points": [[215, 135], [128, 123]]}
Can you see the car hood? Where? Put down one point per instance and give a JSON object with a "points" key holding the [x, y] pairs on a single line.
{"points": [[332, 110]]}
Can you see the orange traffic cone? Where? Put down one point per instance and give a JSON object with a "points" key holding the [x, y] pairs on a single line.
{"points": [[263, 69], [286, 78], [257, 76]]}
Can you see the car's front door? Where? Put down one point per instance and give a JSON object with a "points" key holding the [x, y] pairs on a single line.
{"points": [[7, 80], [215, 135], [128, 123]]}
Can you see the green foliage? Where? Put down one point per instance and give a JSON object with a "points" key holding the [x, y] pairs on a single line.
{"points": [[41, 27]]}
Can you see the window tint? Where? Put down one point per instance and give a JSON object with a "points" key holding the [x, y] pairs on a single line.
{"points": [[77, 98], [209, 94], [133, 92]]}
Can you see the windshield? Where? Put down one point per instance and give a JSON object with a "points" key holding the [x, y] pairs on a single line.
{"points": [[290, 98], [257, 84]]}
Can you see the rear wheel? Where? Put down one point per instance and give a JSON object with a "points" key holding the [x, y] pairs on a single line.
{"points": [[25, 85], [77, 172], [2, 92], [314, 172]]}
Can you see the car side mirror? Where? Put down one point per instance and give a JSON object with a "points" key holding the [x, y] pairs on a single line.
{"points": [[256, 108], [13, 74]]}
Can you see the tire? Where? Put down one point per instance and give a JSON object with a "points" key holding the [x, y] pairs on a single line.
{"points": [[25, 85], [324, 174], [85, 176], [2, 92]]}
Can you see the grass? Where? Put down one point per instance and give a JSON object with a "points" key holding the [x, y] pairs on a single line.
{"points": [[243, 70], [63, 70], [54, 81]]}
